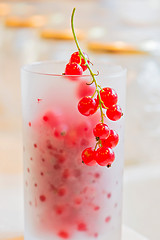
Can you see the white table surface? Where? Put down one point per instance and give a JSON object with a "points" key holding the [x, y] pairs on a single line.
{"points": [[130, 234]]}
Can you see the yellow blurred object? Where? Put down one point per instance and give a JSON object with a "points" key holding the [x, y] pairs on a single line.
{"points": [[4, 9], [65, 34], [115, 48], [16, 238], [11, 152], [30, 22]]}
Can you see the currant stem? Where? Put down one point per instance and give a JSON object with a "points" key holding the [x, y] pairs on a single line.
{"points": [[79, 49], [93, 94], [96, 146], [86, 63], [100, 105]]}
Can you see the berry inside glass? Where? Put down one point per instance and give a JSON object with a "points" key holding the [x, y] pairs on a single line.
{"points": [[64, 197]]}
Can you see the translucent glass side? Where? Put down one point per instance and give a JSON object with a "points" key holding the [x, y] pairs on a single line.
{"points": [[63, 197]]}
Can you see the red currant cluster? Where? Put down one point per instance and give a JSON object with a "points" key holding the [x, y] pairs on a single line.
{"points": [[76, 65], [106, 140], [106, 98]]}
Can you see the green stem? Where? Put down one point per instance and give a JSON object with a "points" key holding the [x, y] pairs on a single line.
{"points": [[96, 146], [79, 49], [100, 106], [86, 63]]}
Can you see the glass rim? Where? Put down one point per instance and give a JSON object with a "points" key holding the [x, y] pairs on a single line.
{"points": [[26, 68]]}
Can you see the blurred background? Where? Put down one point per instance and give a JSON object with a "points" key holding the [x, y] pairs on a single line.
{"points": [[125, 32]]}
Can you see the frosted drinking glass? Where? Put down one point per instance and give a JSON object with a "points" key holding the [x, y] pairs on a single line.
{"points": [[64, 198]]}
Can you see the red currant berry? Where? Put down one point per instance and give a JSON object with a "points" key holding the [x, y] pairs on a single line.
{"points": [[112, 140], [87, 106], [42, 198], [101, 131], [114, 112], [62, 191], [63, 234], [82, 227], [52, 118], [105, 156], [73, 69], [75, 58], [84, 129], [60, 131], [108, 96], [85, 90], [89, 156]]}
